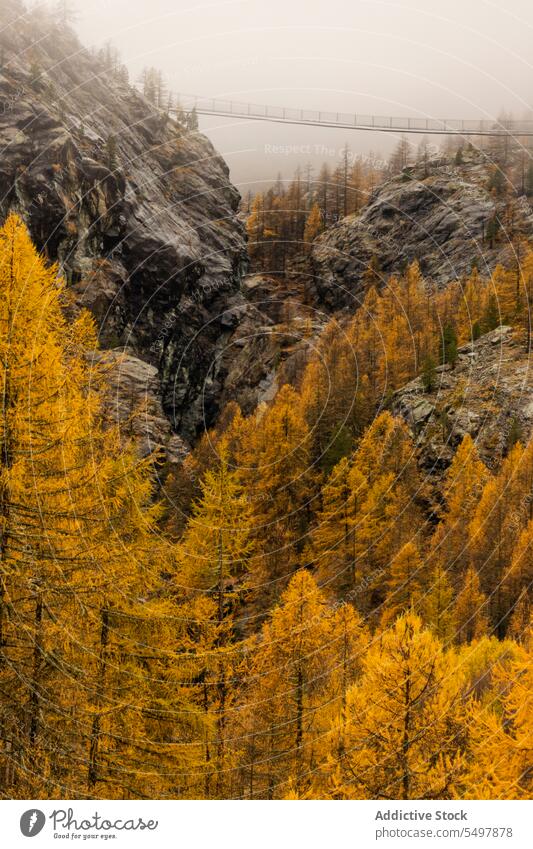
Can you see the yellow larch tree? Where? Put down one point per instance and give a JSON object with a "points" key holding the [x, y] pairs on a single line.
{"points": [[506, 285], [350, 640], [463, 488], [256, 226], [288, 685], [470, 609], [405, 583], [436, 605], [214, 557], [520, 618], [389, 515], [501, 514], [501, 744], [314, 224], [332, 542], [334, 397], [404, 733], [276, 472], [75, 528], [387, 447]]}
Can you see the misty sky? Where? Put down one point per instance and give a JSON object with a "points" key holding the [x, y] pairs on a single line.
{"points": [[459, 58]]}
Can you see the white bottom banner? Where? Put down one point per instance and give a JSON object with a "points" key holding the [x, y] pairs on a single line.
{"points": [[266, 825]]}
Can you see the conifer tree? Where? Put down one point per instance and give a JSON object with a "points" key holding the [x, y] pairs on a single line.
{"points": [[313, 224], [255, 228], [518, 577], [387, 447], [217, 543], [437, 611], [75, 529], [501, 747], [214, 554], [405, 582], [463, 488], [334, 401], [289, 674], [470, 609], [520, 620], [501, 514], [333, 544], [404, 735], [400, 157], [277, 475], [349, 646], [449, 345], [429, 373]]}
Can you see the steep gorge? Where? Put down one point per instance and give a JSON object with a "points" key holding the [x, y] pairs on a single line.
{"points": [[139, 213], [143, 220]]}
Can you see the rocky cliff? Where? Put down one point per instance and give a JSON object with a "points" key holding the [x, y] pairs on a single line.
{"points": [[139, 213], [488, 394], [444, 214]]}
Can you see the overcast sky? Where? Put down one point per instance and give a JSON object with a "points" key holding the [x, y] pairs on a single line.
{"points": [[459, 58]]}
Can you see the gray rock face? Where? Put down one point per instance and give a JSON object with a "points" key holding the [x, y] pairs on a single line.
{"points": [[134, 402], [270, 343], [140, 215], [489, 395], [437, 214]]}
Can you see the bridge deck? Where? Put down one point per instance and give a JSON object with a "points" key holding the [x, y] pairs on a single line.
{"points": [[355, 121]]}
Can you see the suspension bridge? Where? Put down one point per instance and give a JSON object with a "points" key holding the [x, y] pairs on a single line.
{"points": [[351, 121]]}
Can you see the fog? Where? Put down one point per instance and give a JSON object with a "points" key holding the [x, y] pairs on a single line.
{"points": [[451, 59]]}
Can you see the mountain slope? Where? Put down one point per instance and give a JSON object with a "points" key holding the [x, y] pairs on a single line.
{"points": [[488, 394], [440, 213], [140, 214]]}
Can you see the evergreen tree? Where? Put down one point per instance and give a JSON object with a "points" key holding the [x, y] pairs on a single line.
{"points": [[429, 373], [491, 316], [449, 345], [497, 181]]}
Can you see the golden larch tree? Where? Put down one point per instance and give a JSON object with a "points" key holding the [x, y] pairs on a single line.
{"points": [[404, 734]]}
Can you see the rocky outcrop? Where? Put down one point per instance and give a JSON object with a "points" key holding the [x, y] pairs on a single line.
{"points": [[133, 401], [438, 213], [140, 214], [271, 342], [488, 394]]}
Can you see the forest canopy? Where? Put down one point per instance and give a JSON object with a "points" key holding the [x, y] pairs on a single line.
{"points": [[295, 615]]}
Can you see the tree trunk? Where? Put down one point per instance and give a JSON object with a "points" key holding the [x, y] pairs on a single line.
{"points": [[406, 779], [35, 699], [299, 728], [92, 775]]}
